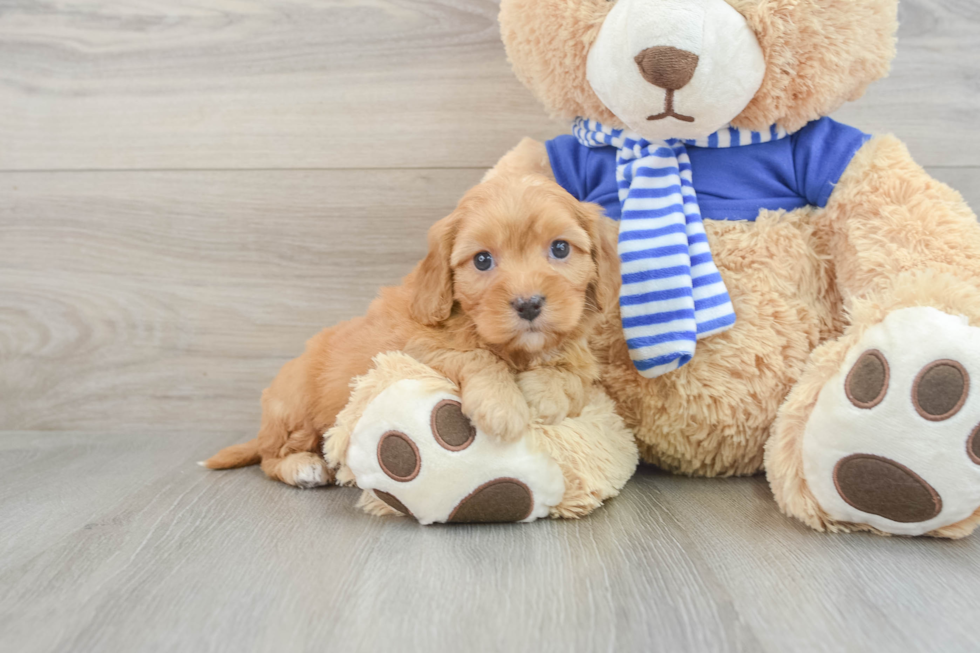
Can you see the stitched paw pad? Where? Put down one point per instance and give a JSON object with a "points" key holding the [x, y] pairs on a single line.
{"points": [[420, 455], [892, 439]]}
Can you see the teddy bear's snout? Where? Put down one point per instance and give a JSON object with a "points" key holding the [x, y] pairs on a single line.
{"points": [[667, 67]]}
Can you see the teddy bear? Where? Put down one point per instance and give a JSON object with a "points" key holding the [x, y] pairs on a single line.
{"points": [[798, 297], [403, 439]]}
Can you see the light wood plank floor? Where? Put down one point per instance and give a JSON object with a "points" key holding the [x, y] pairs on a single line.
{"points": [[191, 188]]}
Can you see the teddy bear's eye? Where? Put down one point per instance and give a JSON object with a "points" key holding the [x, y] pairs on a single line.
{"points": [[483, 261]]}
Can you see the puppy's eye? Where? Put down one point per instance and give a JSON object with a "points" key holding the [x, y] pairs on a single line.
{"points": [[560, 249], [483, 261]]}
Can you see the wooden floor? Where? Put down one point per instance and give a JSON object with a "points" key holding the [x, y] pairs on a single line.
{"points": [[191, 188]]}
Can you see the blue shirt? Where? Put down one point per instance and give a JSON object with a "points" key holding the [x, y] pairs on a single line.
{"points": [[732, 183]]}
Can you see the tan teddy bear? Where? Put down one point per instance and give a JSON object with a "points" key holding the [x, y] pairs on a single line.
{"points": [[402, 438], [797, 296]]}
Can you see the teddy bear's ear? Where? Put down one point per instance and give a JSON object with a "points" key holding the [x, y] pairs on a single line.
{"points": [[547, 43], [819, 54], [432, 280]]}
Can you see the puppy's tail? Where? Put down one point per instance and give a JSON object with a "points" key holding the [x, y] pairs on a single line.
{"points": [[237, 455]]}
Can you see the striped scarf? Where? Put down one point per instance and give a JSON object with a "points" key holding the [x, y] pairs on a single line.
{"points": [[672, 294]]}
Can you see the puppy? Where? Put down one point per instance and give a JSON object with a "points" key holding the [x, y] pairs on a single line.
{"points": [[514, 280]]}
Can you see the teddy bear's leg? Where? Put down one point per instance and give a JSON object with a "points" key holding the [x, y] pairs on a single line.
{"points": [[404, 440], [878, 434], [595, 451], [566, 470]]}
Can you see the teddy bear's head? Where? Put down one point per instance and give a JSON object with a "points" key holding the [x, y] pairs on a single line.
{"points": [[686, 68]]}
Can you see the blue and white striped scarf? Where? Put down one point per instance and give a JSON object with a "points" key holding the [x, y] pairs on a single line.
{"points": [[672, 294]]}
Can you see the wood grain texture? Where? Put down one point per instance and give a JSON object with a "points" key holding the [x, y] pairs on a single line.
{"points": [[148, 552], [144, 301], [357, 83], [258, 84], [189, 189], [139, 301], [809, 591]]}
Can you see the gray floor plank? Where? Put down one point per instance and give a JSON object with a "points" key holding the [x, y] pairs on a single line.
{"points": [[360, 83], [144, 301], [188, 191], [162, 555], [231, 560], [139, 302], [258, 84], [849, 592]]}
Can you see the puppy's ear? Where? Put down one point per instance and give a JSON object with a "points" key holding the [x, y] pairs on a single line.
{"points": [[604, 234], [432, 299]]}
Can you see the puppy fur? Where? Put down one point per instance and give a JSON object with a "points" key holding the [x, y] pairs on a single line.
{"points": [[462, 322]]}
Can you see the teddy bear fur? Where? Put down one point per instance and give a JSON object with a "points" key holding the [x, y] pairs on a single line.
{"points": [[594, 450], [806, 283], [819, 54]]}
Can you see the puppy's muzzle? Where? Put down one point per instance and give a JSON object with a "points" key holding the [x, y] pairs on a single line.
{"points": [[528, 308]]}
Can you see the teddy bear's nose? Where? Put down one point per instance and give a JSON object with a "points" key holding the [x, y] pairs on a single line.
{"points": [[667, 67]]}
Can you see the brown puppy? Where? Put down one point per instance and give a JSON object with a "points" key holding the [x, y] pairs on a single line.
{"points": [[502, 305]]}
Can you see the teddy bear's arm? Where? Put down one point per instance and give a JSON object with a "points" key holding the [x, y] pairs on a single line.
{"points": [[887, 217]]}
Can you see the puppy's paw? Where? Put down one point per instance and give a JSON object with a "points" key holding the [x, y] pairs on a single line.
{"points": [[504, 415], [305, 470], [552, 396], [547, 400]]}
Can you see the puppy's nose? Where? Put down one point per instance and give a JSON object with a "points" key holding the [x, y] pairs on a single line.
{"points": [[528, 307], [669, 68]]}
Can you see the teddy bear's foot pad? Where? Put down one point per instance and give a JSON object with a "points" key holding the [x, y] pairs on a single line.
{"points": [[891, 441], [500, 500], [883, 487], [417, 452]]}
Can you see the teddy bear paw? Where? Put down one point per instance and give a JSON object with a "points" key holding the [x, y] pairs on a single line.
{"points": [[418, 453], [893, 441]]}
